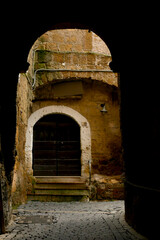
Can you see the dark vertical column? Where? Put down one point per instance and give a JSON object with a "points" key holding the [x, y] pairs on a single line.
{"points": [[2, 226], [140, 123]]}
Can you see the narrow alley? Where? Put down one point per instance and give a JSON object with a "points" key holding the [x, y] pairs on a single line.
{"points": [[70, 220]]}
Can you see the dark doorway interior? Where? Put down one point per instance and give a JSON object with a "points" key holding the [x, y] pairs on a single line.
{"points": [[56, 146]]}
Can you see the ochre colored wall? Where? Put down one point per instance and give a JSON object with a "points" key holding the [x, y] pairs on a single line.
{"points": [[23, 104], [105, 127], [71, 55]]}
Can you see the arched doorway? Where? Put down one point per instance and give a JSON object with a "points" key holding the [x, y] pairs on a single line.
{"points": [[56, 146], [77, 118]]}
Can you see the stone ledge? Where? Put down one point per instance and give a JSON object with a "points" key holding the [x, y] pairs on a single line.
{"points": [[45, 76]]}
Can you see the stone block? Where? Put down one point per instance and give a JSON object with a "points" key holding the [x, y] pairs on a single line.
{"points": [[82, 59], [91, 59], [68, 58], [44, 56], [87, 41], [75, 58], [57, 37], [58, 58], [43, 38], [66, 47], [51, 46]]}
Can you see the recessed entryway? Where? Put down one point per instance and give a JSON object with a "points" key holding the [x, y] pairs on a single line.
{"points": [[56, 146]]}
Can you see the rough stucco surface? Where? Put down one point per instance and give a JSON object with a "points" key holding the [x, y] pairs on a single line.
{"points": [[23, 103], [105, 129]]}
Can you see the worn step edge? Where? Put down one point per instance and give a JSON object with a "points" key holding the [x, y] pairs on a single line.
{"points": [[46, 198], [61, 187], [62, 192], [59, 180]]}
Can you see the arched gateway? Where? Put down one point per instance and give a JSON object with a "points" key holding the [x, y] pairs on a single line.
{"points": [[69, 78], [65, 134]]}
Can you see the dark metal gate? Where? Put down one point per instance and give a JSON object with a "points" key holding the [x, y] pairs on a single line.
{"points": [[56, 146]]}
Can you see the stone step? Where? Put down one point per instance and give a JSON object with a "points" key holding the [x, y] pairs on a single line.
{"points": [[59, 189], [50, 198], [59, 195], [60, 186], [61, 192], [59, 179]]}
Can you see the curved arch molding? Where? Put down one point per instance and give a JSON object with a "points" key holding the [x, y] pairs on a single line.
{"points": [[85, 135]]}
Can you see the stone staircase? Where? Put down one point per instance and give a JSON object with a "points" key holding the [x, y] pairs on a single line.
{"points": [[59, 189]]}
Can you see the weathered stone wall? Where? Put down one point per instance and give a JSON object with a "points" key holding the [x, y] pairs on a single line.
{"points": [[70, 40], [105, 129], [70, 55], [105, 132], [23, 104], [66, 54], [6, 194]]}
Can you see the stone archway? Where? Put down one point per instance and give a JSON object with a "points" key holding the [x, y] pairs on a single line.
{"points": [[85, 136]]}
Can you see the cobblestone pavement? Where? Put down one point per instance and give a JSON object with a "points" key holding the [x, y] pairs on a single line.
{"points": [[70, 221]]}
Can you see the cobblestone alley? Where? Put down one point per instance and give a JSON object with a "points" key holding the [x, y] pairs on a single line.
{"points": [[69, 221]]}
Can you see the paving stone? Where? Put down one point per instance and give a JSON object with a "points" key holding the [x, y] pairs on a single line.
{"points": [[73, 220]]}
